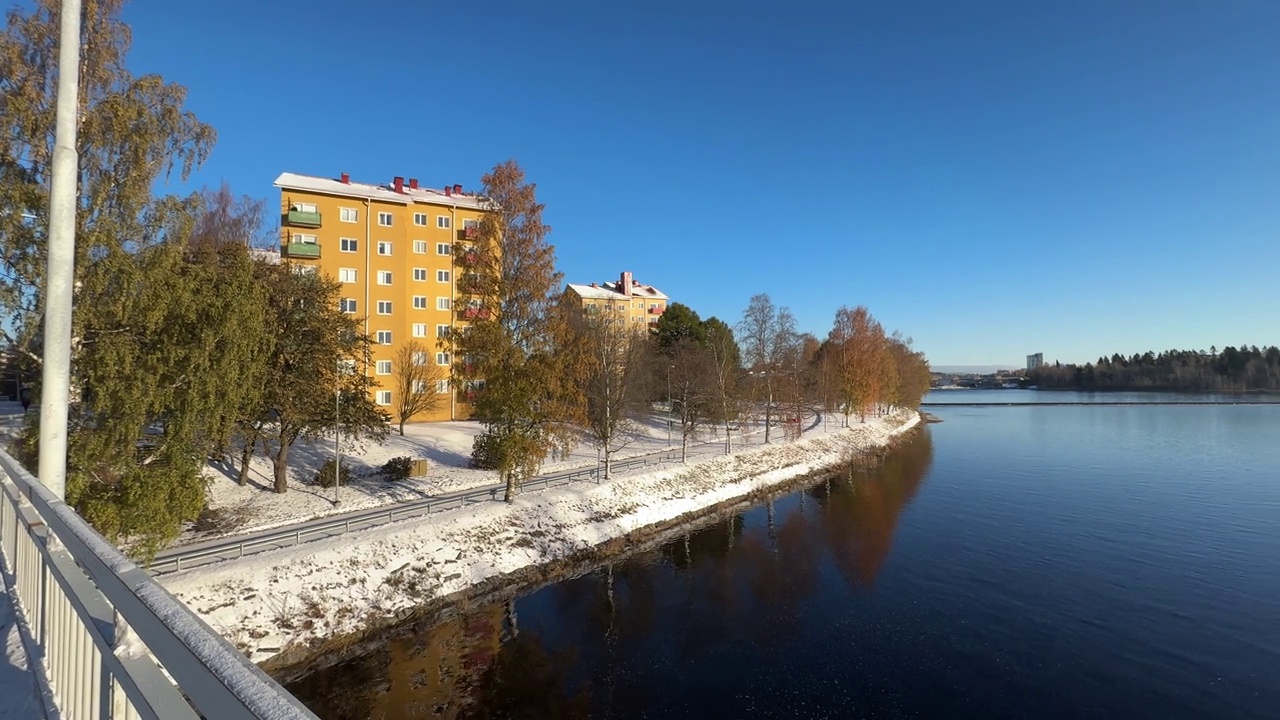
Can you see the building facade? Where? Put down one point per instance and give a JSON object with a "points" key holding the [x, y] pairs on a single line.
{"points": [[636, 304], [392, 249], [1034, 361]]}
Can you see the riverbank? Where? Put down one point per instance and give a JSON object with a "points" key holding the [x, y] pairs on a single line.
{"points": [[291, 603]]}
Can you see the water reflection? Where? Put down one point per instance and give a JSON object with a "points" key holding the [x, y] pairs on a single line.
{"points": [[604, 644]]}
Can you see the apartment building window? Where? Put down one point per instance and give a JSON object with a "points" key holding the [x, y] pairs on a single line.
{"points": [[384, 307], [419, 358], [419, 302], [384, 277], [348, 215], [384, 337], [442, 276], [442, 358], [383, 397], [469, 224], [419, 386], [347, 366], [347, 305], [419, 329], [444, 303], [442, 387], [442, 331], [384, 367], [442, 222], [304, 207], [420, 219], [420, 246], [384, 219], [348, 244], [347, 275], [444, 249], [304, 239], [384, 247], [304, 269], [420, 274]]}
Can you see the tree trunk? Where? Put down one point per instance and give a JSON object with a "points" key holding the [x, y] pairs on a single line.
{"points": [[510, 494], [280, 466], [401, 427], [684, 445], [608, 463], [728, 437], [247, 446]]}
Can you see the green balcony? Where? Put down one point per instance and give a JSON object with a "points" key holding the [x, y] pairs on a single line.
{"points": [[299, 218], [302, 250]]}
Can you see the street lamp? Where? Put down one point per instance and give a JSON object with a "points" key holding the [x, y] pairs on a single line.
{"points": [[337, 432]]}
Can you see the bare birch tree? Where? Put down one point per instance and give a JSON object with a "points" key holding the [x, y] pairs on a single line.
{"points": [[416, 383], [614, 366]]}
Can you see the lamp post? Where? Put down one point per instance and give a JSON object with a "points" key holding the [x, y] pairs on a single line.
{"points": [[337, 432], [670, 406]]}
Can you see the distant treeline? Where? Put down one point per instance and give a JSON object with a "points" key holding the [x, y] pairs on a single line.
{"points": [[1232, 370]]}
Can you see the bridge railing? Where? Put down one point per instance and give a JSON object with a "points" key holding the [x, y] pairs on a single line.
{"points": [[112, 641]]}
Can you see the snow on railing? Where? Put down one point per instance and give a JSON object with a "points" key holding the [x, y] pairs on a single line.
{"points": [[110, 637]]}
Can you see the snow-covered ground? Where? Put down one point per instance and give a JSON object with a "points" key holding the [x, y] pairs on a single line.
{"points": [[18, 698], [236, 509], [267, 602]]}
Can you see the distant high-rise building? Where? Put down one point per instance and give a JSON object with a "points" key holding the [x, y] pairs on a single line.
{"points": [[1034, 361]]}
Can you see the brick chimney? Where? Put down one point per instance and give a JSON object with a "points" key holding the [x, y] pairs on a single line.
{"points": [[446, 191], [624, 283], [593, 284], [413, 183], [346, 179], [399, 184], [457, 189]]}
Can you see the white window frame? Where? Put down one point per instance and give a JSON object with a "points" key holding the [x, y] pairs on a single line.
{"points": [[420, 247], [384, 277], [384, 247], [444, 249], [468, 223], [442, 358], [348, 215], [419, 330], [303, 207], [443, 222], [383, 397], [348, 275], [385, 219], [384, 337], [425, 218], [382, 367], [444, 303], [442, 387], [384, 307], [443, 331], [419, 358], [420, 274], [348, 306], [348, 245], [302, 239], [419, 302], [444, 276]]}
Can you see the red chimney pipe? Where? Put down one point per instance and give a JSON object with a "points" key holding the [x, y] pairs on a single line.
{"points": [[413, 183], [446, 191], [399, 181], [457, 189], [346, 179]]}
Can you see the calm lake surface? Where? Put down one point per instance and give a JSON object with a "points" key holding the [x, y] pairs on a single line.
{"points": [[1114, 562]]}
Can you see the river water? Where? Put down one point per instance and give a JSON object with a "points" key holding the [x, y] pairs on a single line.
{"points": [[1057, 561]]}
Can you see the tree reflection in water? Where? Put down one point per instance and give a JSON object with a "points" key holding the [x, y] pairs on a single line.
{"points": [[736, 592]]}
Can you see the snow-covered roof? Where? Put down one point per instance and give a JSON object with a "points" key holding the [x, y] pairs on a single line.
{"points": [[383, 193], [638, 290], [596, 293]]}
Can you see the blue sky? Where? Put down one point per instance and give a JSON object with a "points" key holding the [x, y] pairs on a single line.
{"points": [[990, 178]]}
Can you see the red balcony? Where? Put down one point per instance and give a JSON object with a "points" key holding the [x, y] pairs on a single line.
{"points": [[655, 311], [471, 233], [473, 313]]}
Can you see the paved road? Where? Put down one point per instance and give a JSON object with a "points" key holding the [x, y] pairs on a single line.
{"points": [[228, 548]]}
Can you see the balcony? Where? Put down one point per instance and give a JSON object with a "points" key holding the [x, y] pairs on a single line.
{"points": [[655, 311], [300, 218], [302, 250], [469, 233], [474, 313]]}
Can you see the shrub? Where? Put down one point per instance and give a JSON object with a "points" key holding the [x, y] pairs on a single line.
{"points": [[324, 478], [398, 468]]}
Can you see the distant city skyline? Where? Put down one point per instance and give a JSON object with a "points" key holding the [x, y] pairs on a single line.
{"points": [[988, 178]]}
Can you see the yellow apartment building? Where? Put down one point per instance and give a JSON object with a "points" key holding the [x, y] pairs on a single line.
{"points": [[392, 249], [636, 304]]}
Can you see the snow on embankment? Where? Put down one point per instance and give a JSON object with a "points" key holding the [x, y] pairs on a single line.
{"points": [[269, 602]]}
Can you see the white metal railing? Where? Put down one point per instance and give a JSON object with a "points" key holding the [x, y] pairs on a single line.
{"points": [[83, 600]]}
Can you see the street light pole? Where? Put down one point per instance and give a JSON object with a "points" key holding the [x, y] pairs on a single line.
{"points": [[337, 433], [59, 281]]}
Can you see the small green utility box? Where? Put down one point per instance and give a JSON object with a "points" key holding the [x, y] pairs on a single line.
{"points": [[419, 468]]}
